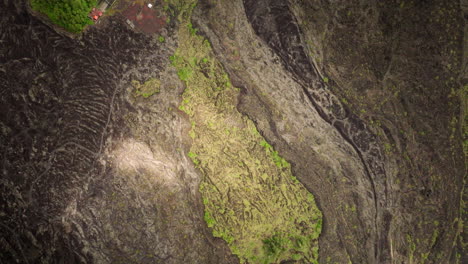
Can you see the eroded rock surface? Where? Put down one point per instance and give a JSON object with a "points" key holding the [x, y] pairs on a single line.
{"points": [[364, 99], [92, 172]]}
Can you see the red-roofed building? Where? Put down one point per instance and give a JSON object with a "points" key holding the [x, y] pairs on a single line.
{"points": [[95, 14]]}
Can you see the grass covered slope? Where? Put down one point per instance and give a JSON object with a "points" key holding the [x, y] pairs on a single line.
{"points": [[251, 198], [69, 14]]}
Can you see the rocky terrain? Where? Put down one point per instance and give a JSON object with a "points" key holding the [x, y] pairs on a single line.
{"points": [[266, 131]]}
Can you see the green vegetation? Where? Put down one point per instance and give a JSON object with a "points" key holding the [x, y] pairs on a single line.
{"points": [[149, 88], [184, 73], [251, 199], [69, 14], [411, 248], [161, 39], [192, 30], [388, 147], [279, 161]]}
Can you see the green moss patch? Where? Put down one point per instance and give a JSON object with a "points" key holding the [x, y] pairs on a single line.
{"points": [[252, 200], [147, 89]]}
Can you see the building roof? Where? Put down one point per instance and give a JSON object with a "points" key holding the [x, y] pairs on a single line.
{"points": [[95, 14]]}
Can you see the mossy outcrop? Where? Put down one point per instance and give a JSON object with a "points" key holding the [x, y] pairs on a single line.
{"points": [[251, 198]]}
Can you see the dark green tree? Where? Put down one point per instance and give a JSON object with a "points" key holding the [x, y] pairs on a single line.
{"points": [[69, 14]]}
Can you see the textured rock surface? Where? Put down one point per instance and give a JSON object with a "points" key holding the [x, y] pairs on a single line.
{"points": [[364, 99], [251, 198]]}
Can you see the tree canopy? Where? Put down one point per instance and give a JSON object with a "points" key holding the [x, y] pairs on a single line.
{"points": [[69, 14]]}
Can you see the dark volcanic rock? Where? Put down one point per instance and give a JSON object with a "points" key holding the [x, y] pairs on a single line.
{"points": [[364, 98], [359, 64], [276, 25], [91, 174]]}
